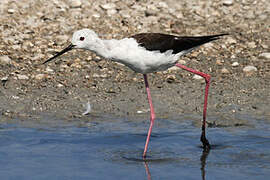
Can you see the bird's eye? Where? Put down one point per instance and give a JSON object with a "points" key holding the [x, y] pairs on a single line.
{"points": [[81, 38]]}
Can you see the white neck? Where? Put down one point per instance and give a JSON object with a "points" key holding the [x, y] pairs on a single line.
{"points": [[99, 47]]}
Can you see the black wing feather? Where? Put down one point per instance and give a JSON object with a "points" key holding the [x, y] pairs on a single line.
{"points": [[164, 42]]}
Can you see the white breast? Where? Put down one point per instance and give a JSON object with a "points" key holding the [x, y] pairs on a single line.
{"points": [[128, 52]]}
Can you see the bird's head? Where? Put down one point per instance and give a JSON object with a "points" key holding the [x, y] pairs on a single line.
{"points": [[82, 39]]}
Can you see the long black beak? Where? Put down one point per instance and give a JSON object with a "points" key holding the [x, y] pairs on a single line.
{"points": [[60, 53]]}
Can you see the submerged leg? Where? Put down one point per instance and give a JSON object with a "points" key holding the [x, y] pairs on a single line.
{"points": [[152, 116], [207, 78]]}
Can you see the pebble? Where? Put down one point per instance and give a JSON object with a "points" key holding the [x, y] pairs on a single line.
{"points": [[197, 77], [174, 68], [235, 64], [49, 70], [62, 38], [252, 45], [225, 71], [40, 76], [15, 97], [108, 6], [95, 75], [111, 12], [22, 77], [96, 15], [75, 3], [38, 57], [11, 11], [5, 78], [143, 111], [219, 62], [265, 55], [125, 14], [208, 45], [230, 40], [16, 47], [171, 78], [249, 70], [163, 4], [76, 65], [227, 2], [60, 85], [182, 62], [150, 12], [5, 60], [265, 46]]}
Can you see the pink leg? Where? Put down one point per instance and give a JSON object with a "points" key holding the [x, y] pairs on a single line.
{"points": [[207, 78], [152, 117]]}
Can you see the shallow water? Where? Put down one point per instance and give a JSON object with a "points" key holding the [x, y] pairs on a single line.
{"points": [[107, 148]]}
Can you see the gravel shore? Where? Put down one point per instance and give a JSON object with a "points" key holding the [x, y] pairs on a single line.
{"points": [[34, 30]]}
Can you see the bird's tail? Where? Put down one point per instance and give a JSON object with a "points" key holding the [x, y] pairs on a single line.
{"points": [[189, 43]]}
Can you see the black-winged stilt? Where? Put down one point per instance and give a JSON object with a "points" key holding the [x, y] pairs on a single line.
{"points": [[145, 53]]}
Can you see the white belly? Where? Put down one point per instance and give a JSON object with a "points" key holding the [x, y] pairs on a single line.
{"points": [[127, 52]]}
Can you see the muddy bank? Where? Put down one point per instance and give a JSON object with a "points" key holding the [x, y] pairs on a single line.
{"points": [[32, 31]]}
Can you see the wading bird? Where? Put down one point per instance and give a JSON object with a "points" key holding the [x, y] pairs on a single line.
{"points": [[145, 53]]}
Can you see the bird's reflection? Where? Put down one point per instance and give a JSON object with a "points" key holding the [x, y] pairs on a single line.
{"points": [[203, 159], [147, 170]]}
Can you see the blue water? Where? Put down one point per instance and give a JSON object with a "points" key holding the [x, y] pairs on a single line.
{"points": [[112, 149]]}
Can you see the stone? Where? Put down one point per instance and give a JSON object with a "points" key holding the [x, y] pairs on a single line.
{"points": [[265, 55], [75, 3], [62, 38], [143, 111], [252, 45], [22, 77], [111, 12], [108, 6], [5, 60], [5, 78], [225, 71], [96, 15], [227, 2], [95, 75], [60, 85], [174, 68], [197, 77], [249, 70], [219, 62], [171, 78], [16, 47], [49, 70], [125, 14], [38, 57], [163, 4], [11, 11], [265, 46], [231, 40], [235, 64], [40, 76], [182, 61], [76, 65]]}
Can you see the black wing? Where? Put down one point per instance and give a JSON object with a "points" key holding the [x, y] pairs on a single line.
{"points": [[164, 42]]}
